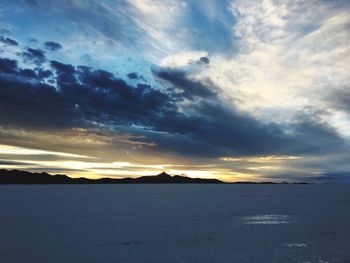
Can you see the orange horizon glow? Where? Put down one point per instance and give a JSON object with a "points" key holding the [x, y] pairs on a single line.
{"points": [[77, 165]]}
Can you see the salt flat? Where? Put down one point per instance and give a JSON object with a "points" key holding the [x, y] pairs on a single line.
{"points": [[174, 223]]}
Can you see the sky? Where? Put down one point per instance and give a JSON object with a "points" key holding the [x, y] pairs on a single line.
{"points": [[236, 90]]}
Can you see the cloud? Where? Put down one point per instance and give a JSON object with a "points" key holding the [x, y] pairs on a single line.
{"points": [[181, 82], [81, 95], [187, 117], [13, 150], [4, 31], [133, 75], [8, 41], [182, 59], [158, 23], [8, 65], [44, 73], [289, 57], [36, 56], [152, 30], [224, 78], [11, 163], [201, 61], [209, 121], [52, 46]]}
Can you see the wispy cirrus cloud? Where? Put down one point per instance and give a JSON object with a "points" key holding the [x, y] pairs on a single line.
{"points": [[291, 58]]}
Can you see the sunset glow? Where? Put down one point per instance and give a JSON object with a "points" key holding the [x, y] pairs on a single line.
{"points": [[235, 90]]}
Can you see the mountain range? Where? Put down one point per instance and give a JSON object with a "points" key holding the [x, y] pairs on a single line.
{"points": [[24, 177]]}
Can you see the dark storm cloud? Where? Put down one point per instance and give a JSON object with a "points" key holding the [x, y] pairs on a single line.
{"points": [[63, 68], [36, 56], [201, 61], [82, 95], [8, 65], [27, 73], [136, 77], [8, 41], [312, 136], [44, 73], [229, 132], [85, 97], [52, 46], [216, 129], [186, 87], [133, 75]]}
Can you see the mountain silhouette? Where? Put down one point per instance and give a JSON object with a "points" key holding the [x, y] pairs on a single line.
{"points": [[24, 177]]}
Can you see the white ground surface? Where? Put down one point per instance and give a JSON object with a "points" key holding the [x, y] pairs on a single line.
{"points": [[174, 223]]}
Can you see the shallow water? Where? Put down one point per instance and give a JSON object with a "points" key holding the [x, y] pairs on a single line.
{"points": [[175, 223]]}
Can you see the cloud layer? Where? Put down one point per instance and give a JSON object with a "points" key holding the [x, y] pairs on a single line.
{"points": [[184, 82]]}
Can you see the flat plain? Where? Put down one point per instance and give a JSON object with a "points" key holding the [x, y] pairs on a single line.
{"points": [[175, 223]]}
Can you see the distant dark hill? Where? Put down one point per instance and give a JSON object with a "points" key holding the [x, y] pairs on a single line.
{"points": [[23, 177]]}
